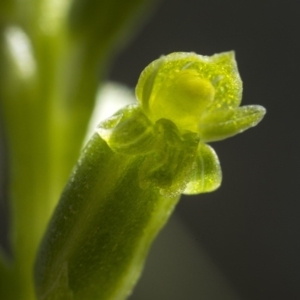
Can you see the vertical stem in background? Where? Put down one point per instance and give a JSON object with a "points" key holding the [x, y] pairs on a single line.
{"points": [[46, 113], [26, 126]]}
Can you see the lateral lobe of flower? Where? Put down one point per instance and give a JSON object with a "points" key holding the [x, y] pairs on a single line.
{"points": [[206, 175], [221, 124]]}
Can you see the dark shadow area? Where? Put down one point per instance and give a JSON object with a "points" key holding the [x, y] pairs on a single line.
{"points": [[4, 206]]}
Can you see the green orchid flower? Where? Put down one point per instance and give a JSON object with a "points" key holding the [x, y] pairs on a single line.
{"points": [[198, 93], [133, 170], [197, 98]]}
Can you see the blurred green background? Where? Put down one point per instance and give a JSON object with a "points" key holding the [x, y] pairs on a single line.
{"points": [[242, 241]]}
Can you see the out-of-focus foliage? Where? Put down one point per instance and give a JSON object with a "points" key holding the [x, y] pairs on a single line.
{"points": [[50, 72]]}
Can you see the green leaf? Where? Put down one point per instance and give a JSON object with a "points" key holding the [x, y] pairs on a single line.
{"points": [[222, 124]]}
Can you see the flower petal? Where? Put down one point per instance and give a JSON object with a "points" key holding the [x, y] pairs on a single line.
{"points": [[206, 175], [182, 86], [222, 124]]}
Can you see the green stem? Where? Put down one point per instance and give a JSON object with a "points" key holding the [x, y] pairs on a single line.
{"points": [[102, 229]]}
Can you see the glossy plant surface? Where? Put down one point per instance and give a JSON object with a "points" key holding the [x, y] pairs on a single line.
{"points": [[131, 173]]}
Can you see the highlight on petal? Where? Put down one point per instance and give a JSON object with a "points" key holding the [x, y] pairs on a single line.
{"points": [[221, 124], [181, 86], [206, 175]]}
